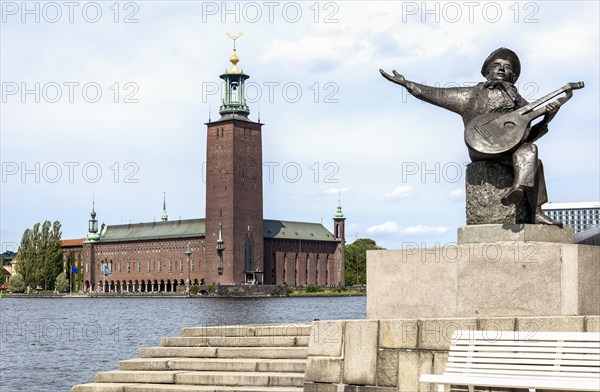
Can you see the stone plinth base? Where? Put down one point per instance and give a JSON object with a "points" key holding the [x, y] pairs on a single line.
{"points": [[476, 234], [486, 183], [490, 279]]}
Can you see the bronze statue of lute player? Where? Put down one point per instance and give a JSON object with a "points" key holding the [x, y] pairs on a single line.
{"points": [[498, 124]]}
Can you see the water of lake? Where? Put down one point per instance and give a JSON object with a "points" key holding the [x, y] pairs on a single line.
{"points": [[52, 344]]}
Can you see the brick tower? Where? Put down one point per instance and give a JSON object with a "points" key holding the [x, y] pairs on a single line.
{"points": [[234, 193]]}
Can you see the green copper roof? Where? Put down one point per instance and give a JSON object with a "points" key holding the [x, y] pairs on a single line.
{"points": [[296, 230], [338, 212], [155, 230], [196, 228]]}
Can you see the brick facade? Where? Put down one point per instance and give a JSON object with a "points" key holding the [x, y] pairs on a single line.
{"points": [[234, 197], [151, 265], [162, 265]]}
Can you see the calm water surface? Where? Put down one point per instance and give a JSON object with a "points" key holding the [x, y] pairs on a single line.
{"points": [[51, 344]]}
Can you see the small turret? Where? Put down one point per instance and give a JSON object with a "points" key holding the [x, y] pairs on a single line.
{"points": [[234, 101], [339, 223], [164, 216], [93, 234], [338, 212]]}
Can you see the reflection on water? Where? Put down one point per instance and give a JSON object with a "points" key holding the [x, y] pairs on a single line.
{"points": [[52, 344]]}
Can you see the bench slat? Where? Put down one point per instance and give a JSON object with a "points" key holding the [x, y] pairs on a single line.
{"points": [[519, 361], [588, 357], [524, 335], [510, 365], [524, 373], [526, 343], [575, 350]]}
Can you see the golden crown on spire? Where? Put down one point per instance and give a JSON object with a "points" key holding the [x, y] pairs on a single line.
{"points": [[234, 57]]}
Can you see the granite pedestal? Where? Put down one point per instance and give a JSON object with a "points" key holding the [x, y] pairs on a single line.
{"points": [[495, 271], [485, 184]]}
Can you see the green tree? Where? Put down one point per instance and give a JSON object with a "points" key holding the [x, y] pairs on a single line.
{"points": [[358, 249], [26, 254], [62, 283], [16, 284], [40, 254]]}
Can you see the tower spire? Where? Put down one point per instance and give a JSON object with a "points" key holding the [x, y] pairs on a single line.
{"points": [[164, 217], [92, 235], [234, 101], [339, 221], [339, 213]]}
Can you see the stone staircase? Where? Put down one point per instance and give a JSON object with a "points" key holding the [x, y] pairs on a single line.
{"points": [[252, 358]]}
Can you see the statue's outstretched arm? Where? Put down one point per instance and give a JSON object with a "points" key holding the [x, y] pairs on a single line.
{"points": [[450, 98]]}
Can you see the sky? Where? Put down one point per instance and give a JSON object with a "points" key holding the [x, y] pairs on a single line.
{"points": [[109, 100]]}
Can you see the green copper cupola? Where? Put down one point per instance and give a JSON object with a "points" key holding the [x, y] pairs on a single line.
{"points": [[234, 99], [93, 234]]}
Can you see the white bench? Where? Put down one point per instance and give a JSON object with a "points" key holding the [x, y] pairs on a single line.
{"points": [[567, 361]]}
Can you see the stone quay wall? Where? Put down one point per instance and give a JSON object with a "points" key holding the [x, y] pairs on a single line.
{"points": [[391, 355]]}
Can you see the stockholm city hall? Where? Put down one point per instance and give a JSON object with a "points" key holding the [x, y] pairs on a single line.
{"points": [[234, 244]]}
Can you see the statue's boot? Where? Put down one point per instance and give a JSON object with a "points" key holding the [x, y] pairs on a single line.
{"points": [[513, 196], [543, 219], [525, 166]]}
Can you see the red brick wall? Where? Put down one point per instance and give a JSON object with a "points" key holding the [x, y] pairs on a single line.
{"points": [[125, 257], [234, 195], [286, 262]]}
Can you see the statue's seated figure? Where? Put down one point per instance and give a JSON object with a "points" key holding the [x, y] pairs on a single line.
{"points": [[497, 95]]}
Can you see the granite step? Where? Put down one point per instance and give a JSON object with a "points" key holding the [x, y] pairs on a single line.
{"points": [[127, 387], [137, 376], [204, 388], [259, 330], [202, 378], [225, 352], [241, 378], [215, 364], [238, 341]]}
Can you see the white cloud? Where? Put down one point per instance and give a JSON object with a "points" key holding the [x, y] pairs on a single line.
{"points": [[423, 229], [384, 228], [457, 194], [401, 192]]}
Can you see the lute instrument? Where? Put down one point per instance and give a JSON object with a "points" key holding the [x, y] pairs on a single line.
{"points": [[498, 133]]}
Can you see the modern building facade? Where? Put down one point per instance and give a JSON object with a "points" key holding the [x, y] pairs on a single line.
{"points": [[581, 216], [234, 244]]}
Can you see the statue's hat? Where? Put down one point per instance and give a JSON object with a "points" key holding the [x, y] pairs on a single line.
{"points": [[505, 54]]}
